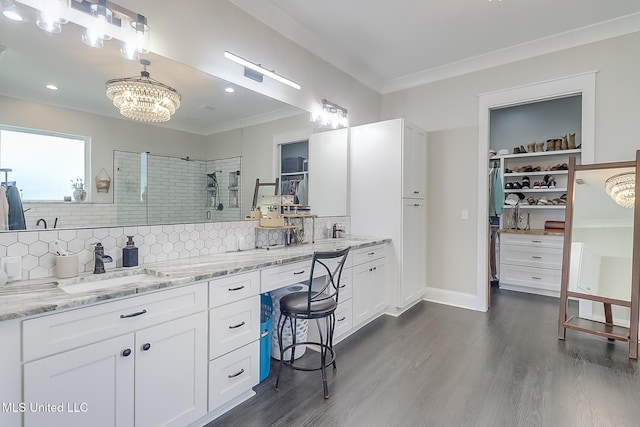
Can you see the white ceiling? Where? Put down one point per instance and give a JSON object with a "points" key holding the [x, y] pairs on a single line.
{"points": [[391, 45]]}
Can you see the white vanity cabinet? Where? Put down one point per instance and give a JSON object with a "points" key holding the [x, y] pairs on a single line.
{"points": [[113, 372], [531, 263], [369, 284], [388, 198], [234, 333]]}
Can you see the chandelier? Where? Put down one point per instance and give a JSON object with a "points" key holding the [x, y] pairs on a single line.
{"points": [[143, 98], [622, 188], [331, 115]]}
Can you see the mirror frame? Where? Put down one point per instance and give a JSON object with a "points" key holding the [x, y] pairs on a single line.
{"points": [[566, 256]]}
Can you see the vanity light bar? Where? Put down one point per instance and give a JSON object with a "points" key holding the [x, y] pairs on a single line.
{"points": [[261, 70]]}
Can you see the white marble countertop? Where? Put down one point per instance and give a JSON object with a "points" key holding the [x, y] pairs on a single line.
{"points": [[31, 297]]}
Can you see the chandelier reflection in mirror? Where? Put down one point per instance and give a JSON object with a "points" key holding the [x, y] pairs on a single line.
{"points": [[622, 189], [143, 98]]}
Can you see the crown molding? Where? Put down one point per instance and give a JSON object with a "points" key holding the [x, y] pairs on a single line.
{"points": [[590, 34]]}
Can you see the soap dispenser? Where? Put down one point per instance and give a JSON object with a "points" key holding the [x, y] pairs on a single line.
{"points": [[130, 253]]}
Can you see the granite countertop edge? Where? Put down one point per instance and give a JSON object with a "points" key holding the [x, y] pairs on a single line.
{"points": [[534, 232], [38, 296]]}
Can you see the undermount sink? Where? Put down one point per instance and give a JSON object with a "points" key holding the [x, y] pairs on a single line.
{"points": [[88, 284]]}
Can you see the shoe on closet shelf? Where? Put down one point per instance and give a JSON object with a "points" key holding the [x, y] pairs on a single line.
{"points": [[512, 199], [532, 201], [508, 186], [525, 182], [556, 201], [543, 201], [536, 185], [517, 185], [552, 183]]}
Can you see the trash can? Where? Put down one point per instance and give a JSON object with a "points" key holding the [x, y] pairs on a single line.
{"points": [[301, 325], [266, 309]]}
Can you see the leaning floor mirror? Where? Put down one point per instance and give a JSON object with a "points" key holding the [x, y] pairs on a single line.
{"points": [[601, 269]]}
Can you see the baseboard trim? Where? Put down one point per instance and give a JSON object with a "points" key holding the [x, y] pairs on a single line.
{"points": [[455, 299], [223, 409]]}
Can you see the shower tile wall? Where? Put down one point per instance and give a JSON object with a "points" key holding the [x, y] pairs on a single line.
{"points": [[128, 191], [229, 197]]}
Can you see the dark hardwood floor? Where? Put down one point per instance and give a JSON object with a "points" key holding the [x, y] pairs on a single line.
{"points": [[443, 366]]}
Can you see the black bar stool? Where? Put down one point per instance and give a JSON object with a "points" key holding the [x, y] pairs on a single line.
{"points": [[317, 303]]}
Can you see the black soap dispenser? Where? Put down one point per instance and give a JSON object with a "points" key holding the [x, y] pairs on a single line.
{"points": [[130, 254]]}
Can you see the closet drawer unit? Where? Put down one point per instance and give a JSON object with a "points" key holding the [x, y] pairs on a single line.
{"points": [[539, 278], [532, 240], [233, 288], [288, 274], [233, 374], [531, 256], [233, 325], [370, 253], [64, 331]]}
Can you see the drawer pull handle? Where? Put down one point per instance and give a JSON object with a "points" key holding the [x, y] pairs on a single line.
{"points": [[371, 253], [341, 319], [342, 286], [139, 313], [237, 326], [264, 333], [126, 352], [416, 204], [236, 289], [536, 257], [416, 192], [298, 272], [536, 241], [537, 278], [240, 372], [146, 347]]}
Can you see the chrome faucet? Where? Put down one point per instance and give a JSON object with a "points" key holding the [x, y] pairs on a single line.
{"points": [[41, 220], [100, 258]]}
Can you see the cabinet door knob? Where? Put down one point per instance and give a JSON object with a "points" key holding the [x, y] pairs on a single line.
{"points": [[126, 352], [240, 372], [236, 326], [146, 347]]}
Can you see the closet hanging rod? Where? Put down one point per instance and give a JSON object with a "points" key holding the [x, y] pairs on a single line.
{"points": [[6, 175]]}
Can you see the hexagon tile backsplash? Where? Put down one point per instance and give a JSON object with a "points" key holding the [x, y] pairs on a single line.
{"points": [[155, 242]]}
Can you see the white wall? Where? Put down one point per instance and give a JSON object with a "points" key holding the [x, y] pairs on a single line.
{"points": [[448, 109]]}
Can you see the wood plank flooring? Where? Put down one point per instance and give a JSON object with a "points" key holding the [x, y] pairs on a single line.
{"points": [[443, 366]]}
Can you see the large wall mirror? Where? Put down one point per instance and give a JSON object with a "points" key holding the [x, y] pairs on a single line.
{"points": [[31, 58]]}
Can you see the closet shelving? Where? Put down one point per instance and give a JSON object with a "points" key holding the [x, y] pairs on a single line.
{"points": [[544, 159]]}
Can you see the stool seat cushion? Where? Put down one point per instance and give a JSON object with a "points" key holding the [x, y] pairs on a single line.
{"points": [[297, 303]]}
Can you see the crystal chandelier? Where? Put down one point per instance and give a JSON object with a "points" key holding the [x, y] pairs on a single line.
{"points": [[622, 188], [143, 98]]}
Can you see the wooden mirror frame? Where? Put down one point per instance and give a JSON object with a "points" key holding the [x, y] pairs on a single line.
{"points": [[607, 329]]}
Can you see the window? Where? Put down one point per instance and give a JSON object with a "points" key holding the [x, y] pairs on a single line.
{"points": [[43, 164]]}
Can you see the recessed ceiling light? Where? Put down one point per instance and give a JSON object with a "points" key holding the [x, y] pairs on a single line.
{"points": [[51, 87], [229, 89]]}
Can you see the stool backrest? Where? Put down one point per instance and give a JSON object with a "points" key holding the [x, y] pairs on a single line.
{"points": [[331, 271]]}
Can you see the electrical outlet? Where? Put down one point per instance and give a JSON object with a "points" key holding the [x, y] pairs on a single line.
{"points": [[12, 265], [464, 214]]}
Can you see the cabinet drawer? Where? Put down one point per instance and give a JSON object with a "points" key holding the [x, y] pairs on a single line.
{"points": [[233, 288], [367, 254], [531, 256], [344, 318], [531, 240], [346, 285], [540, 278], [233, 325], [288, 274], [60, 332], [233, 374]]}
